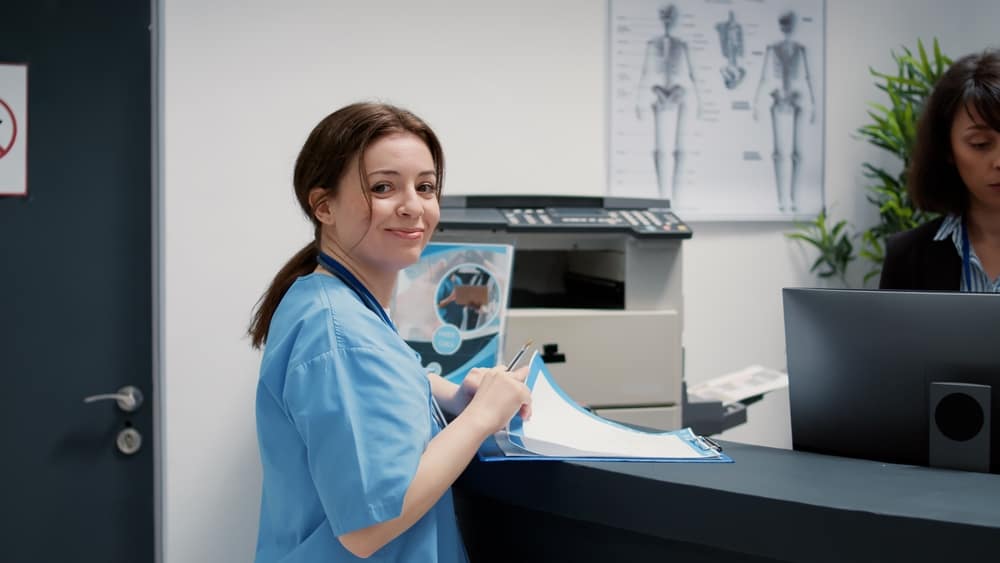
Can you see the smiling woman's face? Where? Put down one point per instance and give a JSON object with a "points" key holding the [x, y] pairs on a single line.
{"points": [[402, 187]]}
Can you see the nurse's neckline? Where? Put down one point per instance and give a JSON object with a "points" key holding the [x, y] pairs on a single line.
{"points": [[323, 271]]}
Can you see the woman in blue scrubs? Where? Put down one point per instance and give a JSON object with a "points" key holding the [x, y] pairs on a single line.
{"points": [[355, 463]]}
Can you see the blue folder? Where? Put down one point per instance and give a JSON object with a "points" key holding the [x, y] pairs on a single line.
{"points": [[490, 451], [707, 449]]}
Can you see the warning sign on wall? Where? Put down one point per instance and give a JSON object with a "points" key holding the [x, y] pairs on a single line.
{"points": [[13, 129]]}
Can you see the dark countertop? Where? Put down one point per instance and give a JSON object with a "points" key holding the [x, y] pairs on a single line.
{"points": [[771, 504]]}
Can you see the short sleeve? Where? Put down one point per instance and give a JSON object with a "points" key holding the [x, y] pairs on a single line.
{"points": [[365, 423]]}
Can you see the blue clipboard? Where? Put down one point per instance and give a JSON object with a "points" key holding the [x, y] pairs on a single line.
{"points": [[489, 451], [707, 450]]}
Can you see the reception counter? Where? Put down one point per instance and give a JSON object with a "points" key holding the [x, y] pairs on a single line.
{"points": [[770, 505]]}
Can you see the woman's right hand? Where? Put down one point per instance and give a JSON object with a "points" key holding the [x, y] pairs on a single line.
{"points": [[499, 396]]}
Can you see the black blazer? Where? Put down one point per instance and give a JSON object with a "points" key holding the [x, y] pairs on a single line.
{"points": [[914, 260]]}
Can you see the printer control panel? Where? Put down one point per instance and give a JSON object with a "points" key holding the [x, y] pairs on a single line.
{"points": [[639, 218], [641, 221]]}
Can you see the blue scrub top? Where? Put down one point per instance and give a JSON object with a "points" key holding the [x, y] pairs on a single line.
{"points": [[343, 417]]}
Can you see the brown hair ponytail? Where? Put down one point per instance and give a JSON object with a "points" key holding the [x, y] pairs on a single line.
{"points": [[324, 159], [301, 264]]}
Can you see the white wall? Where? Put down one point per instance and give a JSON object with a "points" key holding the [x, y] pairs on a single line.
{"points": [[516, 90]]}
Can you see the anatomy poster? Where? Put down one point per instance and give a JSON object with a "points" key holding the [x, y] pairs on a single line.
{"points": [[717, 105]]}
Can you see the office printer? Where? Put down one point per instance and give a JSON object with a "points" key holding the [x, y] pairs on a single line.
{"points": [[596, 285]]}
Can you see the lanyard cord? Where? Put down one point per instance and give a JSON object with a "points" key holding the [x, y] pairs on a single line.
{"points": [[966, 267], [338, 269]]}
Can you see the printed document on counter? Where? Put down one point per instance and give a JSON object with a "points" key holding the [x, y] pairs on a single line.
{"points": [[740, 385]]}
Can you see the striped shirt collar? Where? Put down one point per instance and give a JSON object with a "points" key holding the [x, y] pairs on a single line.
{"points": [[952, 227]]}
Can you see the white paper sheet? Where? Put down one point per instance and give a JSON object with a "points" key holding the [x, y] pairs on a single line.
{"points": [[560, 428]]}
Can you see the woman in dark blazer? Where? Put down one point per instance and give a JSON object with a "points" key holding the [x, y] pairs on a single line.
{"points": [[955, 171]]}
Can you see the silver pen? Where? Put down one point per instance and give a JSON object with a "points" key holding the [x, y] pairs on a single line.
{"points": [[439, 414], [517, 357]]}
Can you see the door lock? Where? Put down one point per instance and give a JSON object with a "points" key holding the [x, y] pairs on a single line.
{"points": [[129, 441]]}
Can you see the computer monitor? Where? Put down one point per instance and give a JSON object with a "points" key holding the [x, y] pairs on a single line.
{"points": [[861, 365]]}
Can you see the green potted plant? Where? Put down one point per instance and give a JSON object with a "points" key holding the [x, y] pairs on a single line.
{"points": [[893, 128]]}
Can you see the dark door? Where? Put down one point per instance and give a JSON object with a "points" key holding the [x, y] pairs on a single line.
{"points": [[75, 287]]}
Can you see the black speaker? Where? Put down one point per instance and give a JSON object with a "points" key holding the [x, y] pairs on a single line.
{"points": [[959, 426]]}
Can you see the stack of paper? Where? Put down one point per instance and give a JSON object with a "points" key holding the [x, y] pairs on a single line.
{"points": [[561, 429], [740, 385]]}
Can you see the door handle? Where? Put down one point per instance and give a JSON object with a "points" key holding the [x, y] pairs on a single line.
{"points": [[129, 398]]}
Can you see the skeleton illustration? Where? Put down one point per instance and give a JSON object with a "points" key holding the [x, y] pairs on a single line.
{"points": [[665, 86], [731, 41], [785, 77]]}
